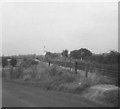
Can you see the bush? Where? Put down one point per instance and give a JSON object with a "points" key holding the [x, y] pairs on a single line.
{"points": [[28, 62], [69, 78], [16, 72], [53, 71], [55, 77], [3, 74], [13, 62], [94, 79], [4, 62], [111, 97]]}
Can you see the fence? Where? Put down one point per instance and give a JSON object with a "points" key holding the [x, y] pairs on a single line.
{"points": [[113, 75]]}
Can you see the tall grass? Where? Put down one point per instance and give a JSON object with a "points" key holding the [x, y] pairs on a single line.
{"points": [[57, 78], [109, 70]]}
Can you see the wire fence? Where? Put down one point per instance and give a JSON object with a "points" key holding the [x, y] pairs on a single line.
{"points": [[112, 74]]}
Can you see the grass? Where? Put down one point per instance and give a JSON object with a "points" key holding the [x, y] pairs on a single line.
{"points": [[60, 79], [111, 97], [57, 78], [92, 66], [54, 76], [96, 78]]}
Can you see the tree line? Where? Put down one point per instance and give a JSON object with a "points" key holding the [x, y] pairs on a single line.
{"points": [[111, 58], [8, 61]]}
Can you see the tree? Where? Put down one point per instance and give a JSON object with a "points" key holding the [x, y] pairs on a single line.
{"points": [[82, 53], [4, 62], [74, 54], [113, 55], [110, 58], [13, 62], [50, 55], [65, 53]]}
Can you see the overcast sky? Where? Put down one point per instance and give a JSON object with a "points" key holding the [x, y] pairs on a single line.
{"points": [[28, 27]]}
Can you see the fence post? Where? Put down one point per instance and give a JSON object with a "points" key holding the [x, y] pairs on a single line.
{"points": [[75, 67], [49, 63], [70, 64], [86, 71]]}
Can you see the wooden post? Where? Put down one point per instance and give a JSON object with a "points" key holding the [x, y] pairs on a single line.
{"points": [[86, 71], [49, 63], [75, 67], [65, 62], [70, 64]]}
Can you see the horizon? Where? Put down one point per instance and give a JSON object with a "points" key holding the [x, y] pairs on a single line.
{"points": [[57, 52], [28, 27]]}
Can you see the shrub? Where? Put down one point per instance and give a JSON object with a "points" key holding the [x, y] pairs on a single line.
{"points": [[94, 79], [111, 97], [3, 73], [53, 71], [13, 62], [16, 72], [4, 62], [69, 78], [54, 77], [28, 62]]}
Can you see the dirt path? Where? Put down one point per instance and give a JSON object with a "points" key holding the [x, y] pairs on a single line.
{"points": [[17, 95]]}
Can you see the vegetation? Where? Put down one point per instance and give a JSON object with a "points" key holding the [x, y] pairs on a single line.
{"points": [[13, 62], [57, 78], [82, 54], [86, 60], [27, 62], [65, 53], [110, 58], [4, 62], [50, 55]]}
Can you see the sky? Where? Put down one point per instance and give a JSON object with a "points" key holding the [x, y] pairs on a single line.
{"points": [[29, 26]]}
